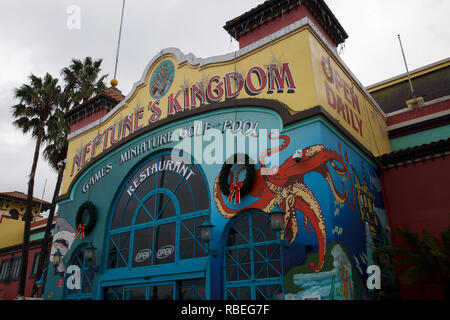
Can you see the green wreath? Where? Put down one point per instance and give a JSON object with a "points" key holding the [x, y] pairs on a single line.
{"points": [[87, 208], [249, 175]]}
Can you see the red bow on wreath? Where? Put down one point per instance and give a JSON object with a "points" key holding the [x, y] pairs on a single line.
{"points": [[235, 191], [80, 231]]}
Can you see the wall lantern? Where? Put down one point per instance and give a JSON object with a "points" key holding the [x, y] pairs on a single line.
{"points": [[89, 252], [276, 218], [56, 261], [206, 236], [277, 223], [89, 255], [56, 258]]}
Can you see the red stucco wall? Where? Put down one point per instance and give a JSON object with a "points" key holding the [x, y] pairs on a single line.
{"points": [[418, 197], [280, 22], [8, 290]]}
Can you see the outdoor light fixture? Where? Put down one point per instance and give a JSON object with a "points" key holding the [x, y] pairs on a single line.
{"points": [[277, 223], [57, 256], [89, 251], [276, 218], [89, 254], [206, 236]]}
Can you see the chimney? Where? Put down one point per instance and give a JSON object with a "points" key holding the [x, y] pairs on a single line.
{"points": [[273, 15]]}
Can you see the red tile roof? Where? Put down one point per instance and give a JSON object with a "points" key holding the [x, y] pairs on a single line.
{"points": [[22, 197], [114, 93], [412, 154]]}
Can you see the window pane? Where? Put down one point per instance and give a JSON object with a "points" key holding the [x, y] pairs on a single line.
{"points": [[186, 197], [118, 250], [165, 243], [124, 210], [192, 289], [112, 293], [239, 293], [143, 247], [165, 207], [164, 292], [268, 292], [261, 228], [191, 245], [134, 293]]}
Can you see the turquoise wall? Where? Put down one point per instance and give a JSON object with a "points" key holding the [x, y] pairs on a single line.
{"points": [[419, 138]]}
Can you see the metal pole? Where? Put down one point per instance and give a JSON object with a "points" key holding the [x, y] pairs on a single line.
{"points": [[118, 43], [42, 198], [406, 65]]}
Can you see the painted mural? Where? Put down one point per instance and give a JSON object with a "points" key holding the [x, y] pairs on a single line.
{"points": [[339, 205], [336, 284], [62, 240], [287, 189]]}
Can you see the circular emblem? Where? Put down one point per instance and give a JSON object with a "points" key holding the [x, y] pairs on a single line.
{"points": [[162, 79]]}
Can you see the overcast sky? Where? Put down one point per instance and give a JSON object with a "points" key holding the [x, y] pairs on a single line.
{"points": [[34, 38]]}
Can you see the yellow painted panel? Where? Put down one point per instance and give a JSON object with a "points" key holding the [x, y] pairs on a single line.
{"points": [[11, 232], [341, 96]]}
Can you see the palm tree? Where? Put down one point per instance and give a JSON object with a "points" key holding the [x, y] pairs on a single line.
{"points": [[55, 152], [427, 257], [82, 79], [81, 84], [37, 101]]}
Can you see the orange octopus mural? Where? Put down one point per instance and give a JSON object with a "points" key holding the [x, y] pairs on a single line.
{"points": [[287, 189]]}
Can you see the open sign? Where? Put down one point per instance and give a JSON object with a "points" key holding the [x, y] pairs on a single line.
{"points": [[143, 255], [165, 251]]}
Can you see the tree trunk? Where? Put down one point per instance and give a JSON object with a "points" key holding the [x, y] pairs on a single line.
{"points": [[48, 235], [28, 218]]}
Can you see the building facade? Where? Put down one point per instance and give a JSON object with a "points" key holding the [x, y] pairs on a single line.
{"points": [[222, 145], [11, 256], [415, 177]]}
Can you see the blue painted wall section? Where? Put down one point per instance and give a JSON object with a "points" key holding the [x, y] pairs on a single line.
{"points": [[328, 188]]}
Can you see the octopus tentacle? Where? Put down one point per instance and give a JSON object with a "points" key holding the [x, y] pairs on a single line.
{"points": [[308, 204], [341, 198], [305, 221], [272, 151]]}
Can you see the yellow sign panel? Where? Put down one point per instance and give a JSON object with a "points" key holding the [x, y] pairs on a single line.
{"points": [[340, 95], [293, 69]]}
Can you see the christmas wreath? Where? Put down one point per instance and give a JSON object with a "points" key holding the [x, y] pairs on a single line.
{"points": [[236, 189], [86, 208]]}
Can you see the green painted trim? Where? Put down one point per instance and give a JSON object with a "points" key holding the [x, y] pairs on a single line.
{"points": [[40, 235], [420, 138]]}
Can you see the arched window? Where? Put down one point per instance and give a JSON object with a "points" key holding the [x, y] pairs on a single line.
{"points": [[253, 267], [83, 290], [156, 219]]}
